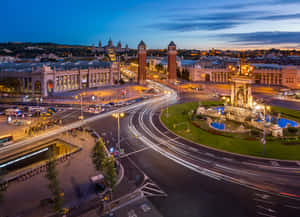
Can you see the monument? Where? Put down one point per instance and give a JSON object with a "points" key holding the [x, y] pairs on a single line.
{"points": [[241, 99], [242, 110], [241, 81]]}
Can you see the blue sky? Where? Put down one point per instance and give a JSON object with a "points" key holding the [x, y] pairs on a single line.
{"points": [[198, 24]]}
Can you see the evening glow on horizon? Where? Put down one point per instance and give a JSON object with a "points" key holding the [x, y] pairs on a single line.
{"points": [[194, 24]]}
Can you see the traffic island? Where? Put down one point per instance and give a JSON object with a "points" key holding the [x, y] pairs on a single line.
{"points": [[183, 121]]}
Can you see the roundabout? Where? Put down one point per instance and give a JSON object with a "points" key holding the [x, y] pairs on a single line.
{"points": [[153, 125], [181, 121]]}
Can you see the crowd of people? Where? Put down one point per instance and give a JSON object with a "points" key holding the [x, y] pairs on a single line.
{"points": [[41, 126]]}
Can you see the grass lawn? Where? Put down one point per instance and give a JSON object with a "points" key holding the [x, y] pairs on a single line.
{"points": [[289, 113], [212, 103], [274, 149]]}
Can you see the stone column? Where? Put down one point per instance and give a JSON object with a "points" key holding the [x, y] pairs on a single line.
{"points": [[250, 99], [23, 85], [27, 85], [59, 83], [32, 87], [63, 83], [111, 77], [246, 95], [55, 84], [80, 81], [73, 79], [89, 78], [232, 93]]}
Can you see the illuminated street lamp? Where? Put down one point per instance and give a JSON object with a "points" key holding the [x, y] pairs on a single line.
{"points": [[118, 116], [263, 140], [168, 94]]}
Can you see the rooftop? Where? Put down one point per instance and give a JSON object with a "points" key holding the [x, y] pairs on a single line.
{"points": [[59, 66]]}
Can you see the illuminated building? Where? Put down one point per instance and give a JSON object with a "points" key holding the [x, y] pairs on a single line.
{"points": [[49, 78]]}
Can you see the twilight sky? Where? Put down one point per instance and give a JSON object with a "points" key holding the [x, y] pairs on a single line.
{"points": [[199, 24]]}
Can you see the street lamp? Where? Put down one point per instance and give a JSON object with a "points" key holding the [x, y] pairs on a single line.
{"points": [[118, 116], [168, 93], [264, 135]]}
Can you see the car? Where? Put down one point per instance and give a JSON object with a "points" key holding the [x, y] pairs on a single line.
{"points": [[94, 135], [119, 104], [107, 105], [28, 114]]}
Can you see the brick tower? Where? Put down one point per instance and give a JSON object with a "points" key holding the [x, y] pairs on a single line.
{"points": [[172, 64], [142, 56]]}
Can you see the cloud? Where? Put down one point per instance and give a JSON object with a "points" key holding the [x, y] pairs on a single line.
{"points": [[240, 5], [189, 27], [246, 5], [280, 17], [259, 38], [237, 15], [234, 16], [286, 1]]}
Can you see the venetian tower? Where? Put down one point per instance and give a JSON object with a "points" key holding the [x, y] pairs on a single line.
{"points": [[172, 64], [142, 56]]}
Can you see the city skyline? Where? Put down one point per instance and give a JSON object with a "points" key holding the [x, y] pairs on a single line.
{"points": [[193, 24]]}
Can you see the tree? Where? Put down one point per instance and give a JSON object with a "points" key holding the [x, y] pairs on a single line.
{"points": [[98, 154], [53, 185], [3, 185], [292, 130], [159, 67], [109, 172], [121, 81], [178, 72]]}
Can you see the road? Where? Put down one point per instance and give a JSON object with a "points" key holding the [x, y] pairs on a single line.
{"points": [[190, 193], [197, 182], [256, 177]]}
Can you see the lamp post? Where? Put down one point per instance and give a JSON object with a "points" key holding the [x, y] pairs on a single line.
{"points": [[168, 93], [118, 115], [264, 135], [81, 112]]}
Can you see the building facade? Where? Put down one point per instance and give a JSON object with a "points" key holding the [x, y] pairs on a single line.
{"points": [[264, 74], [49, 78]]}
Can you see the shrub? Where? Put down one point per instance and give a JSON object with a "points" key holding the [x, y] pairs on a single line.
{"points": [[292, 130], [255, 132], [200, 116]]}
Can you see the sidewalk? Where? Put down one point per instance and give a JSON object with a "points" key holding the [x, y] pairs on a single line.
{"points": [[74, 176], [140, 207]]}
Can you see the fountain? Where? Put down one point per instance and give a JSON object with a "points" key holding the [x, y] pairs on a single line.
{"points": [[241, 108]]}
